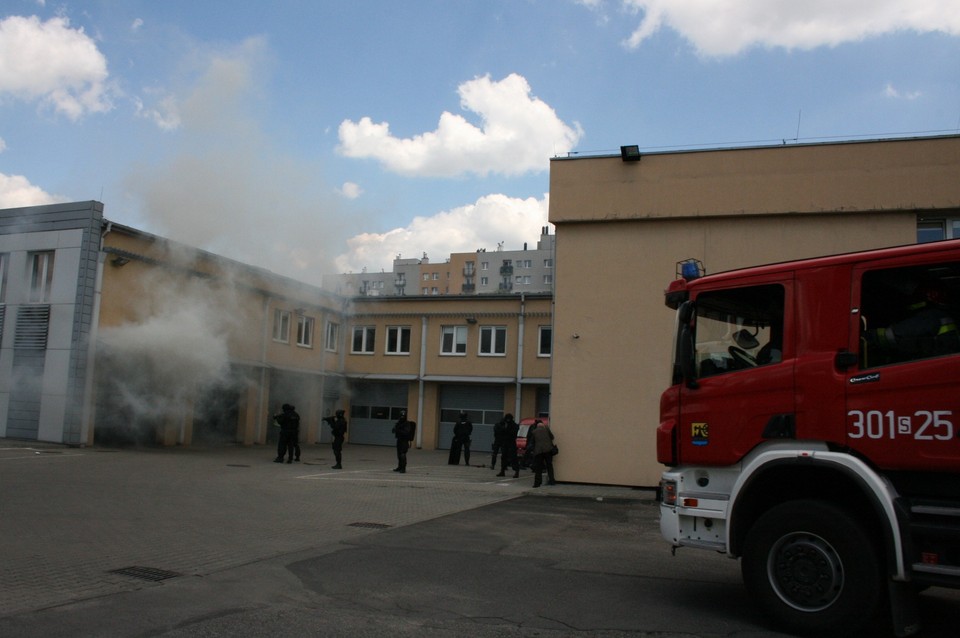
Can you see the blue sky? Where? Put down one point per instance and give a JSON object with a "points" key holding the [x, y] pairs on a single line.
{"points": [[314, 136]]}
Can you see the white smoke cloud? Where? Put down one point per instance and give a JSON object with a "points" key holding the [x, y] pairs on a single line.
{"points": [[484, 224], [518, 134], [228, 188], [727, 27], [157, 364], [53, 64]]}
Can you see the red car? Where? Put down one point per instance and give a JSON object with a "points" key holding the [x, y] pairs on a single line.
{"points": [[522, 436]]}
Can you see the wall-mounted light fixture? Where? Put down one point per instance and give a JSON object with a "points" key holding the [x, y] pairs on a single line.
{"points": [[120, 260], [471, 320], [630, 153]]}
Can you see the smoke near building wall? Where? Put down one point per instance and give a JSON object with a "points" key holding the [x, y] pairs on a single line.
{"points": [[171, 360]]}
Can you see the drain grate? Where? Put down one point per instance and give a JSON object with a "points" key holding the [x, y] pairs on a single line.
{"points": [[370, 525], [236, 465], [146, 573]]}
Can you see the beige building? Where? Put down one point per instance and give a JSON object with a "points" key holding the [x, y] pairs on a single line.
{"points": [[435, 356], [729, 208]]}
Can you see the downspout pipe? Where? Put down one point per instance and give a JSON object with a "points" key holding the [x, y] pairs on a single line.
{"points": [[521, 320], [420, 382]]}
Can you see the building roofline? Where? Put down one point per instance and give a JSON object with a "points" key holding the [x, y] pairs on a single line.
{"points": [[755, 145]]}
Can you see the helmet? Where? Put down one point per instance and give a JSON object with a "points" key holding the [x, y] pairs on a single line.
{"points": [[932, 292]]}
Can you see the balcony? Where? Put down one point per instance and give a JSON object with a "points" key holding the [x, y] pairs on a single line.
{"points": [[506, 271], [468, 288]]}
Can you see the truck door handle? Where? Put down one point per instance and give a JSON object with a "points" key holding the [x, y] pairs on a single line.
{"points": [[845, 360]]}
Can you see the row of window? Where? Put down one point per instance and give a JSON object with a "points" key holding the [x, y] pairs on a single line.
{"points": [[485, 265], [281, 330], [453, 340]]}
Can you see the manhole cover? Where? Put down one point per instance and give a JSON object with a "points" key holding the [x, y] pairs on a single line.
{"points": [[146, 573]]}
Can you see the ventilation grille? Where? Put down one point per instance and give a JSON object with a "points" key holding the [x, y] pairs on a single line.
{"points": [[33, 324], [146, 573], [370, 525]]}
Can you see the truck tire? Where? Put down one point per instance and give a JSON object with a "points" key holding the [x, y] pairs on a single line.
{"points": [[813, 568]]}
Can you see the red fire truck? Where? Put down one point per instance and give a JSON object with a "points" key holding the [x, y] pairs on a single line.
{"points": [[812, 429]]}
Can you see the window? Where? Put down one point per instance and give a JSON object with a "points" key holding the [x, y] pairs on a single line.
{"points": [[739, 329], [4, 259], [305, 331], [333, 335], [434, 291], [453, 340], [522, 279], [548, 263], [484, 265], [364, 339], [545, 341], [41, 276], [524, 263], [436, 276], [426, 276], [493, 340], [936, 229], [398, 340], [484, 281], [281, 325], [909, 313], [548, 279]]}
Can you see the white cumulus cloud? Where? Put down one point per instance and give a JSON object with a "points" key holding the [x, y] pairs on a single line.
{"points": [[53, 64], [490, 220], [893, 92], [517, 134], [727, 27], [351, 190], [17, 191]]}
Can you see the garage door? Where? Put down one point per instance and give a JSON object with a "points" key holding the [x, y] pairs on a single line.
{"points": [[483, 405], [374, 409]]}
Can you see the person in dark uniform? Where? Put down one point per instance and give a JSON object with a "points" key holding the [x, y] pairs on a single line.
{"points": [[338, 427], [404, 431], [527, 460], [288, 443], [509, 447], [542, 441], [462, 430], [498, 436], [929, 330]]}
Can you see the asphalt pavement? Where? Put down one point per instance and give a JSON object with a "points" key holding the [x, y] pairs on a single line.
{"points": [[221, 541]]}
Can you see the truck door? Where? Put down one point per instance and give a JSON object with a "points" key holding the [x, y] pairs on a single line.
{"points": [[743, 390], [903, 408]]}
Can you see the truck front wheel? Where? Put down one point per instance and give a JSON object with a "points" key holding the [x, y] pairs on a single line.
{"points": [[813, 568]]}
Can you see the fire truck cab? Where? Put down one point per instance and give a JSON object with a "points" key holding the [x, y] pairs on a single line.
{"points": [[812, 429]]}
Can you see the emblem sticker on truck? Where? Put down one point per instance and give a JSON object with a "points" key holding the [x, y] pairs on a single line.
{"points": [[700, 433]]}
